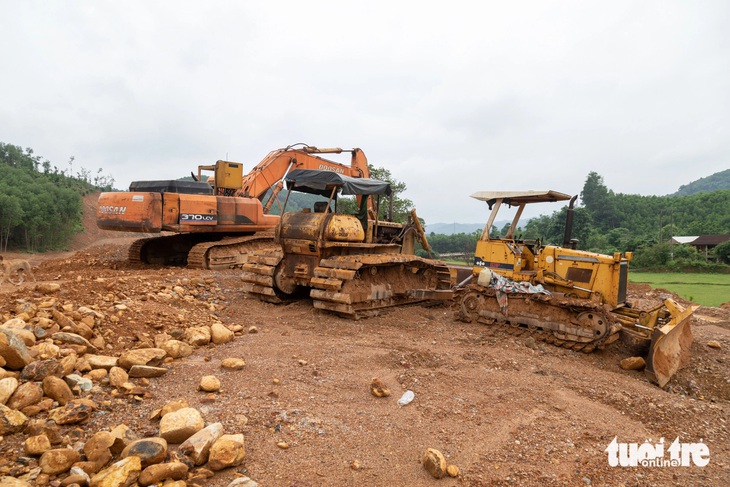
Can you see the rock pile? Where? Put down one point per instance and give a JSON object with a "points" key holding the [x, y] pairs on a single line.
{"points": [[56, 372]]}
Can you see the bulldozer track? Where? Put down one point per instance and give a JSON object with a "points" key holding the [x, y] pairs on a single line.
{"points": [[202, 251], [558, 320], [351, 286], [356, 286], [258, 276]]}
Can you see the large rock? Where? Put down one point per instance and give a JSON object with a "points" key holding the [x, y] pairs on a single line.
{"points": [[101, 361], [123, 436], [58, 460], [37, 445], [13, 482], [73, 412], [227, 451], [197, 336], [197, 447], [435, 463], [11, 420], [46, 350], [233, 363], [26, 394], [8, 385], [155, 474], [68, 364], [174, 405], [177, 349], [149, 450], [123, 473], [209, 383], [633, 363], [147, 371], [98, 447], [20, 328], [142, 356], [40, 369], [77, 476], [13, 350], [220, 334], [73, 339], [75, 380], [243, 482], [180, 425], [118, 376], [57, 389]]}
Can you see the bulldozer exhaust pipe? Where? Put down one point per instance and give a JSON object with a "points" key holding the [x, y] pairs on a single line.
{"points": [[568, 241]]}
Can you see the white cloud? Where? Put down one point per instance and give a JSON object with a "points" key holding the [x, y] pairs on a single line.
{"points": [[452, 98]]}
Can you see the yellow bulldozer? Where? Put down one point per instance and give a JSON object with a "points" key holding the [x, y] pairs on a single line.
{"points": [[351, 265], [567, 297]]}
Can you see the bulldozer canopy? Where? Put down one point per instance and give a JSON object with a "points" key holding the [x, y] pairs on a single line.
{"points": [[518, 197], [322, 182]]}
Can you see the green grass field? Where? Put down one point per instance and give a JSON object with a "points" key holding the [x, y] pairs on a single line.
{"points": [[704, 289]]}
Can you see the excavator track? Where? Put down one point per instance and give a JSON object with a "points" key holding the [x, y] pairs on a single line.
{"points": [[204, 251], [228, 253], [357, 286], [557, 319]]}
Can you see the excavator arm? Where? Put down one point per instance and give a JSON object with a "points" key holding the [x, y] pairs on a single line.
{"points": [[278, 163]]}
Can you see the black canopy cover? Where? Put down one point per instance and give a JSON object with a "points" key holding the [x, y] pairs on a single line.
{"points": [[321, 182]]}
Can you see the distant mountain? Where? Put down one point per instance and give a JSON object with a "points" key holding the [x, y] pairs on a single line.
{"points": [[719, 180], [453, 228]]}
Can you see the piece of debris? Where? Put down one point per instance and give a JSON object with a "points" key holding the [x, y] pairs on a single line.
{"points": [[378, 388], [406, 398], [714, 344]]}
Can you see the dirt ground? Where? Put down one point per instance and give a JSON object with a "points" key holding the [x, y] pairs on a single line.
{"points": [[504, 413]]}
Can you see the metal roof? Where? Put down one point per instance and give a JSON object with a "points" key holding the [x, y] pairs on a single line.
{"points": [[321, 182], [519, 197]]}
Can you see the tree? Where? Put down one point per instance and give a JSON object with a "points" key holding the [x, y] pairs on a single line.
{"points": [[598, 200], [722, 252], [401, 206]]}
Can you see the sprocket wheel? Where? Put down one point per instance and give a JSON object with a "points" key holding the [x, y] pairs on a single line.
{"points": [[469, 306]]}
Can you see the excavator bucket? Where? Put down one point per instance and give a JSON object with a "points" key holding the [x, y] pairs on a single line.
{"points": [[670, 344]]}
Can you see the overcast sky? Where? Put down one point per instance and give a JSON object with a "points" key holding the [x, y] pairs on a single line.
{"points": [[451, 97]]}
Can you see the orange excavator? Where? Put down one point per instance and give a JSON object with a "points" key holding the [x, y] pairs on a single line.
{"points": [[213, 224]]}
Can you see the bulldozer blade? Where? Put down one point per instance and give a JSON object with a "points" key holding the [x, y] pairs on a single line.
{"points": [[670, 344]]}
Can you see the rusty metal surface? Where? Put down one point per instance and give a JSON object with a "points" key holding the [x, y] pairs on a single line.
{"points": [[670, 344]]}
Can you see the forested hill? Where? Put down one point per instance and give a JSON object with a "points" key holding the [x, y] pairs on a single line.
{"points": [[40, 204], [608, 222], [719, 180]]}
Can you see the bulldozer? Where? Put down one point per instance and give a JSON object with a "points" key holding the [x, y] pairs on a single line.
{"points": [[566, 297], [216, 223], [349, 264]]}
